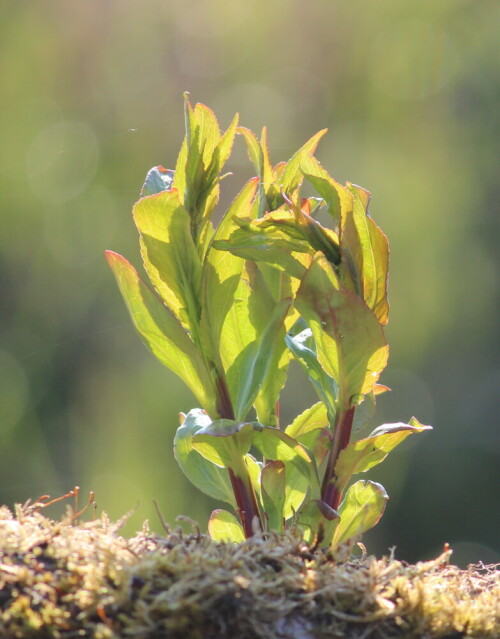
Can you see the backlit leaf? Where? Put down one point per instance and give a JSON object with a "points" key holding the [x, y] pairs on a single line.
{"points": [[162, 332], [292, 175], [349, 340], [224, 442], [317, 520], [367, 248], [221, 276], [273, 493], [249, 368], [311, 419], [324, 385], [274, 444], [337, 197], [359, 511], [169, 254], [359, 456], [206, 476], [224, 527]]}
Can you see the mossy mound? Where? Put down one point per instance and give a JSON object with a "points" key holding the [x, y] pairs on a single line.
{"points": [[62, 579]]}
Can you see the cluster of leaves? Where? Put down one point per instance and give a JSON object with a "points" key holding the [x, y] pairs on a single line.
{"points": [[229, 308]]}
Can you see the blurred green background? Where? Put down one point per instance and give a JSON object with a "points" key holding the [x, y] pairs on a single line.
{"points": [[91, 98]]}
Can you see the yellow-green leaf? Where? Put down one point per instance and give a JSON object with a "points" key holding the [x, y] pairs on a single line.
{"points": [[221, 275], [249, 369], [224, 527], [360, 510], [224, 442], [273, 493], [366, 248], [338, 199], [359, 456], [349, 340], [162, 332], [169, 254], [292, 176], [311, 419], [317, 520]]}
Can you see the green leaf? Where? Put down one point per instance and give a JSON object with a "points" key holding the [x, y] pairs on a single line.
{"points": [[365, 410], [310, 429], [368, 252], [225, 146], [297, 488], [360, 510], [253, 148], [301, 473], [269, 289], [266, 244], [221, 276], [157, 180], [207, 477], [317, 520], [273, 493], [224, 442], [258, 152], [169, 254], [249, 369], [338, 199], [203, 153], [276, 445], [359, 456], [311, 419], [324, 385], [254, 469], [224, 527], [292, 176], [349, 340], [162, 332]]}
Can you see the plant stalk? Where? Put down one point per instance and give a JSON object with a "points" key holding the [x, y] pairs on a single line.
{"points": [[330, 494], [246, 501], [244, 494]]}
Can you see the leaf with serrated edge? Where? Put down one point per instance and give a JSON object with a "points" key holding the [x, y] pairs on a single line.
{"points": [[206, 476], [162, 332], [360, 510], [338, 199], [292, 175], [224, 527], [349, 340], [359, 456], [369, 250]]}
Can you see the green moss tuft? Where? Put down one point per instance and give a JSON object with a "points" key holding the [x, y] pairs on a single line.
{"points": [[62, 580]]}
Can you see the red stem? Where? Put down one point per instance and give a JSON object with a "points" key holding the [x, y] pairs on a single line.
{"points": [[341, 436], [244, 494], [248, 509]]}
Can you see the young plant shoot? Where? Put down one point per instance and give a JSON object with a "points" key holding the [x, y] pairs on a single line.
{"points": [[228, 307]]}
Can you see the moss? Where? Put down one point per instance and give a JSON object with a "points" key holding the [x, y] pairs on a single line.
{"points": [[62, 579]]}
